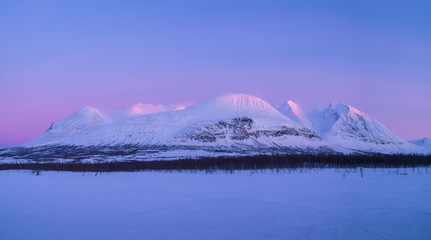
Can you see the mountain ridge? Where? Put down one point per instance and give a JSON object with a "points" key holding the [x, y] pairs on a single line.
{"points": [[233, 122]]}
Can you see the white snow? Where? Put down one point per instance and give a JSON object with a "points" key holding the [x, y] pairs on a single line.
{"points": [[347, 127], [324, 204], [424, 143], [84, 121], [236, 105], [291, 110]]}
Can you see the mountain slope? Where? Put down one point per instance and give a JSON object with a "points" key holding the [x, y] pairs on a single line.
{"points": [[295, 113], [424, 143], [83, 121], [345, 126]]}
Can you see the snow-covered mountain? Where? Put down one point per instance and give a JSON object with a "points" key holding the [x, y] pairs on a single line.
{"points": [[231, 123], [424, 143], [84, 121], [347, 127], [295, 113], [228, 121]]}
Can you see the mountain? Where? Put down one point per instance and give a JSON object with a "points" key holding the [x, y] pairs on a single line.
{"points": [[230, 121], [229, 124], [347, 127], [84, 121], [295, 113], [424, 143]]}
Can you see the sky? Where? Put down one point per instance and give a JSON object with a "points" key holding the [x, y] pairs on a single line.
{"points": [[58, 56]]}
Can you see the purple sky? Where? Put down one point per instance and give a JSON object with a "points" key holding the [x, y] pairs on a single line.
{"points": [[56, 57]]}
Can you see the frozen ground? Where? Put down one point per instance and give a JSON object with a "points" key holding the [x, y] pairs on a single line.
{"points": [[383, 204]]}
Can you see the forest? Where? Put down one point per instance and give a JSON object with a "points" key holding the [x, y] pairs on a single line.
{"points": [[230, 164]]}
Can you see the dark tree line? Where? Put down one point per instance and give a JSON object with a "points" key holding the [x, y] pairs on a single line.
{"points": [[274, 162]]}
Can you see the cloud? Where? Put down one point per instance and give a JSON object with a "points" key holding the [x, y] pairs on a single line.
{"points": [[180, 108], [148, 108]]}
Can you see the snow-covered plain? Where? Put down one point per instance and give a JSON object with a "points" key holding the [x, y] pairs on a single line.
{"points": [[323, 204]]}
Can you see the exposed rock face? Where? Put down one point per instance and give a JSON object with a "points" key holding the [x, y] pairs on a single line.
{"points": [[243, 129]]}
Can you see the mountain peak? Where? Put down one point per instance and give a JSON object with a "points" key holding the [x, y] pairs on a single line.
{"points": [[291, 103], [291, 110], [87, 110], [339, 107], [88, 113], [296, 109], [424, 143], [425, 140], [345, 110], [84, 120], [236, 103], [239, 100], [346, 126]]}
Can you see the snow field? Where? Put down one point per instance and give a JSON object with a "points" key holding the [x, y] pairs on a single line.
{"points": [[324, 204]]}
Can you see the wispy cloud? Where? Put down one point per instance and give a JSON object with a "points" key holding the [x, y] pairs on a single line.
{"points": [[148, 108]]}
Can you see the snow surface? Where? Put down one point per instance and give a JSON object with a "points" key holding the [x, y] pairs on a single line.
{"points": [[84, 121], [291, 110], [347, 127], [424, 143], [324, 204]]}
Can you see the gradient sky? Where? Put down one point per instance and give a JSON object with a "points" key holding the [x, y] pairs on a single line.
{"points": [[57, 56]]}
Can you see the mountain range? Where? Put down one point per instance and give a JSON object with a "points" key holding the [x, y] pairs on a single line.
{"points": [[229, 124]]}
